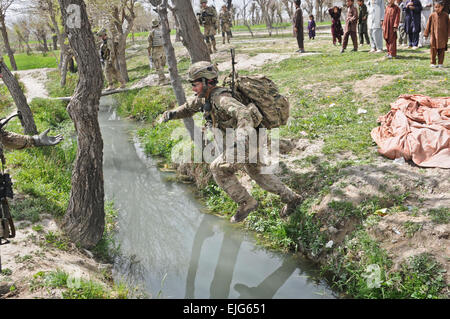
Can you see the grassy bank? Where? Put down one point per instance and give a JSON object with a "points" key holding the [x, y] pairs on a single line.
{"points": [[327, 91], [42, 184]]}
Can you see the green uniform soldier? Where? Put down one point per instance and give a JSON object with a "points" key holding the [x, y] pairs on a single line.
{"points": [[156, 51], [208, 19], [108, 59], [223, 112], [225, 23]]}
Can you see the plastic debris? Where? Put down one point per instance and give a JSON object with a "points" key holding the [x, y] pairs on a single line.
{"points": [[329, 244], [399, 161], [361, 111]]}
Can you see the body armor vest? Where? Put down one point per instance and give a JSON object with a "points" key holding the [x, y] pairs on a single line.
{"points": [[157, 38]]}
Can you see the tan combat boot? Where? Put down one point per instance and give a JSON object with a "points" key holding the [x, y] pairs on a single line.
{"points": [[244, 209], [289, 208]]}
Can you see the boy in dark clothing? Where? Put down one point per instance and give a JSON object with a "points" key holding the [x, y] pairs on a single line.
{"points": [[298, 26], [362, 23], [311, 27], [336, 27]]}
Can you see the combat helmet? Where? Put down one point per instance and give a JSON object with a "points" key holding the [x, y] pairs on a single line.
{"points": [[203, 1], [202, 69], [101, 33], [155, 23]]}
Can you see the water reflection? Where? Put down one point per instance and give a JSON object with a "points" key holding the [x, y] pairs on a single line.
{"points": [[269, 286], [168, 245]]}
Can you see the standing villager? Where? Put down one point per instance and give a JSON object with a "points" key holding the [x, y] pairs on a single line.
{"points": [[156, 52], [298, 26], [108, 60], [427, 8], [207, 18], [374, 23], [350, 26], [225, 23], [222, 111], [402, 35], [390, 26], [311, 27], [336, 27], [412, 9], [362, 23], [438, 28]]}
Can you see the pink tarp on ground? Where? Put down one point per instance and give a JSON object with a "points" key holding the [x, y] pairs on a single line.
{"points": [[417, 128]]}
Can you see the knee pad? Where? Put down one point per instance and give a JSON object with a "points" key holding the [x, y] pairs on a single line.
{"points": [[207, 38]]}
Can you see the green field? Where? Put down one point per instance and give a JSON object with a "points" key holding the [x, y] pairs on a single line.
{"points": [[34, 61]]}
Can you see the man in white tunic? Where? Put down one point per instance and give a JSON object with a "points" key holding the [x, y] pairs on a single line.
{"points": [[375, 19], [427, 8]]}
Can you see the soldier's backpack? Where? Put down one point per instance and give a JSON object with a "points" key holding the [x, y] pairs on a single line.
{"points": [[262, 92]]}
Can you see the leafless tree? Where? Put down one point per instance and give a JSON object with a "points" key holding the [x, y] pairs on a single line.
{"points": [[4, 6], [23, 33], [244, 13], [289, 7], [19, 98], [266, 7], [308, 6]]}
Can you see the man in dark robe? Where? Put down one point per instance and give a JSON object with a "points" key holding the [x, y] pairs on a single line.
{"points": [[413, 17]]}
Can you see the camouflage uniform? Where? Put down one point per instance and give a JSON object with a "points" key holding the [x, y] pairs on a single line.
{"points": [[15, 141], [156, 51], [108, 59], [208, 19], [227, 112], [225, 24]]}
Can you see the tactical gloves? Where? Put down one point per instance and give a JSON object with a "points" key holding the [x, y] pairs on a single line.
{"points": [[44, 140], [167, 116]]}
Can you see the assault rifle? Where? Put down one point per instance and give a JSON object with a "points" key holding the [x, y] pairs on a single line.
{"points": [[233, 62], [7, 229]]}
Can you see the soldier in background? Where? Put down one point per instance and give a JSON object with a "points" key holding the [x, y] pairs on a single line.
{"points": [[225, 23], [108, 59], [207, 18], [223, 112], [156, 52]]}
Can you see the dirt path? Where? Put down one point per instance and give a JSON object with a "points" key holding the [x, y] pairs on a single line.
{"points": [[34, 81]]}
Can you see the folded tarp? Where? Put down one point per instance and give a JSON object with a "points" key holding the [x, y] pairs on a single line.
{"points": [[417, 128]]}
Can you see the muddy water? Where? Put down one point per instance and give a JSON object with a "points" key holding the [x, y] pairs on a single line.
{"points": [[171, 249]]}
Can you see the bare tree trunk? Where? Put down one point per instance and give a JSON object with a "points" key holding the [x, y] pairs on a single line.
{"points": [[64, 65], [85, 217], [173, 69], [177, 26], [190, 31], [121, 57], [12, 60], [55, 42], [19, 98]]}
